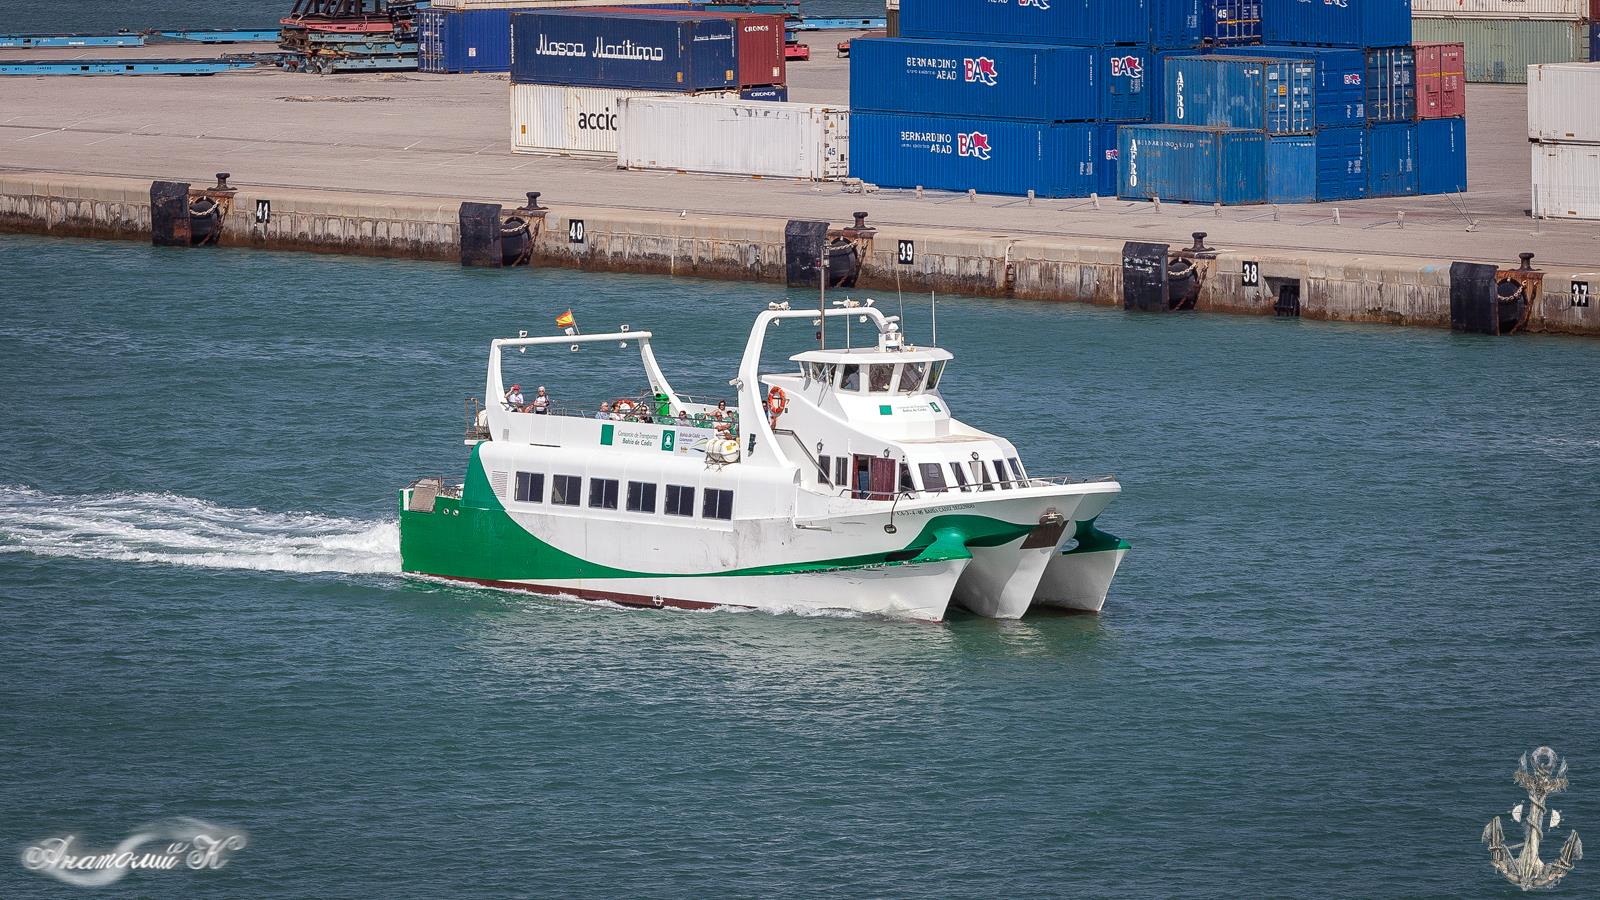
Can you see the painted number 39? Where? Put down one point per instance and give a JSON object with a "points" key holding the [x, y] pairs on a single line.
{"points": [[906, 253]]}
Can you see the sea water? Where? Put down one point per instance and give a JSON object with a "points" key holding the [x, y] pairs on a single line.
{"points": [[1363, 583]]}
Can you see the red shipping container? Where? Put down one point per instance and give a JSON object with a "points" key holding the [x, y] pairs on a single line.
{"points": [[1441, 81], [759, 36]]}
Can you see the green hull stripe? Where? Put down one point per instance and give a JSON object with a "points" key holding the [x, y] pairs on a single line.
{"points": [[475, 537], [1093, 540]]}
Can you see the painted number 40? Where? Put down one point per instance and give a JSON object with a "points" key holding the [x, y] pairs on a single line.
{"points": [[575, 231], [1580, 293]]}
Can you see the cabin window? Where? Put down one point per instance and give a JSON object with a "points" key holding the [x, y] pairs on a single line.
{"points": [[905, 478], [680, 500], [603, 493], [1000, 475], [814, 371], [932, 476], [824, 466], [911, 377], [1016, 470], [565, 489], [961, 477], [642, 496], [718, 504], [980, 475], [841, 471], [879, 377], [934, 371], [530, 487], [826, 371], [850, 378]]}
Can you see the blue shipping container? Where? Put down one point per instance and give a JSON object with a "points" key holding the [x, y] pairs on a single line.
{"points": [[1178, 24], [1342, 163], [1036, 82], [1337, 23], [623, 50], [1594, 42], [1392, 155], [1442, 156], [1292, 169], [1105, 159], [1087, 23], [1232, 22], [1354, 87], [464, 40], [958, 153], [1197, 165], [777, 93], [1274, 95]]}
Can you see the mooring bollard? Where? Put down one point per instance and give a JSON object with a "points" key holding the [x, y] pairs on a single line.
{"points": [[1400, 217], [919, 192], [1030, 196], [1094, 198], [972, 195], [1336, 220], [1157, 201]]}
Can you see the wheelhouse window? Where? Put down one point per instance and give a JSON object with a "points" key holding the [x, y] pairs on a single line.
{"points": [[841, 471], [824, 468], [1016, 470], [718, 504], [530, 487], [565, 489], [911, 377], [680, 500], [850, 377], [961, 476], [905, 478], [603, 493], [934, 371], [1000, 475], [980, 475], [826, 372], [642, 496], [879, 377], [932, 476]]}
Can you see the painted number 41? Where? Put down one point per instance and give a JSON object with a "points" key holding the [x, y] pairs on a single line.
{"points": [[1580, 293]]}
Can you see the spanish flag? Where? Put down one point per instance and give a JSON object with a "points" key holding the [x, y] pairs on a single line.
{"points": [[565, 320]]}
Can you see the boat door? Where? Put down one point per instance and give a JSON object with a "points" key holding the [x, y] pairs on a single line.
{"points": [[873, 477]]}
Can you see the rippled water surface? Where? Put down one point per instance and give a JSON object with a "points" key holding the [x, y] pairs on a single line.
{"points": [[1363, 582]]}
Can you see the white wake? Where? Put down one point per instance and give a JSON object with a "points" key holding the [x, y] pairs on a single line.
{"points": [[183, 531]]}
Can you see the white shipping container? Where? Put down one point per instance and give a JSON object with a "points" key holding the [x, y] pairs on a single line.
{"points": [[1564, 10], [735, 137], [1564, 102], [1566, 181], [573, 121]]}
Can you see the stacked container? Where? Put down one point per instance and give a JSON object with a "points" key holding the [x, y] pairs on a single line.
{"points": [[456, 36], [1503, 37], [571, 69], [1565, 140]]}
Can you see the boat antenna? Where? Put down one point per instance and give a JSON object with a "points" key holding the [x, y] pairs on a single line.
{"points": [[934, 302], [902, 299], [822, 299]]}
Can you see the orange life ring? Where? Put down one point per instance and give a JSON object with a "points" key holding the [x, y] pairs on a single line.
{"points": [[623, 407], [777, 401]]}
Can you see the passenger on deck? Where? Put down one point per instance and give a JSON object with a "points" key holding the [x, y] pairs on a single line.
{"points": [[541, 403], [514, 398], [722, 410], [683, 417], [605, 411]]}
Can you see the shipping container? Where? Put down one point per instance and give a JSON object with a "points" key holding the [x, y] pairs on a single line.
{"points": [[1035, 82], [1106, 153], [549, 4], [573, 121], [1353, 87], [1155, 75], [1274, 95], [772, 92], [1088, 23], [734, 137], [623, 50], [959, 153], [463, 40], [1594, 41], [1291, 169], [1564, 103], [1342, 163], [1442, 156], [1392, 159], [1178, 24], [1566, 181], [1232, 22], [758, 41], [1499, 51], [1192, 164], [1346, 23], [1441, 81], [1502, 9]]}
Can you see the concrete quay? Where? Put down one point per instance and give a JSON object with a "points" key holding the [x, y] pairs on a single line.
{"points": [[378, 164]]}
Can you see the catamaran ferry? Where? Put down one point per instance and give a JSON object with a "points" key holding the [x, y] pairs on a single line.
{"points": [[844, 484]]}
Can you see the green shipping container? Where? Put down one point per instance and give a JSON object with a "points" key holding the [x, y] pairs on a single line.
{"points": [[1499, 51]]}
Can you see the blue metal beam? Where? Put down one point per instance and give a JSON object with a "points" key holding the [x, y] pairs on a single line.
{"points": [[122, 67], [71, 40], [222, 37]]}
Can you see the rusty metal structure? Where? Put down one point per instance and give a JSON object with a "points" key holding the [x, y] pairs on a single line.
{"points": [[326, 36]]}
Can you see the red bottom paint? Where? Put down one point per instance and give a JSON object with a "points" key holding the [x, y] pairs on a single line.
{"points": [[652, 602]]}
